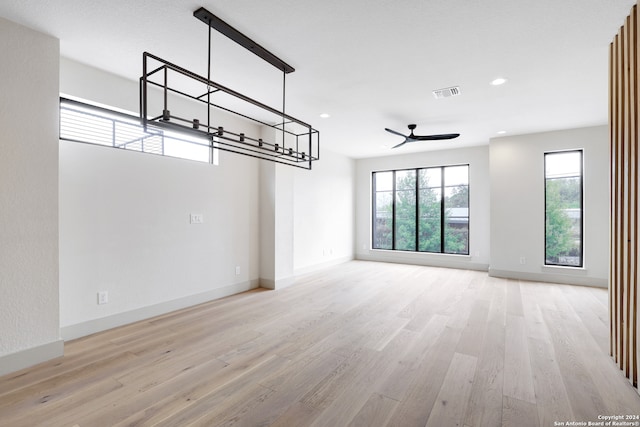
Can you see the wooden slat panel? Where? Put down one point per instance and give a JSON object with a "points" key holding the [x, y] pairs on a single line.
{"points": [[624, 93], [613, 241], [615, 325], [636, 73], [623, 200], [633, 196], [616, 219], [626, 208], [621, 195]]}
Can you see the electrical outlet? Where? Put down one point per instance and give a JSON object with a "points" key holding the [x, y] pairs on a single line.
{"points": [[523, 260], [196, 218], [237, 270], [103, 297]]}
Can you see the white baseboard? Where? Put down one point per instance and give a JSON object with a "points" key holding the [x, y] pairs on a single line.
{"points": [[321, 266], [288, 281], [566, 279], [97, 325], [276, 284], [461, 262], [267, 284], [32, 356]]}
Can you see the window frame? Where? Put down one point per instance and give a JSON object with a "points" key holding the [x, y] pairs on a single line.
{"points": [[86, 111], [443, 223], [581, 192]]}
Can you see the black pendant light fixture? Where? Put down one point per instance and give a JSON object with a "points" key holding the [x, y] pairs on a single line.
{"points": [[295, 142]]}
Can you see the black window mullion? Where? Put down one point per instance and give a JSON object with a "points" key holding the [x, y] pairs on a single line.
{"points": [[393, 212], [546, 217], [374, 212], [442, 210], [417, 231], [581, 208]]}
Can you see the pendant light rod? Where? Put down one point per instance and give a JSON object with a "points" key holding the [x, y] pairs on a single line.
{"points": [[209, 79], [284, 98], [218, 24]]}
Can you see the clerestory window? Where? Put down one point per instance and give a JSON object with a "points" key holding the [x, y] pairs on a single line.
{"points": [[82, 122]]}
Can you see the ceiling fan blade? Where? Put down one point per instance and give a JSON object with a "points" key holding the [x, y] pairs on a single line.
{"points": [[402, 143], [395, 133], [436, 137]]}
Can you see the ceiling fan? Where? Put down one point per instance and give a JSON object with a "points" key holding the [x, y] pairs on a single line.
{"points": [[415, 138]]}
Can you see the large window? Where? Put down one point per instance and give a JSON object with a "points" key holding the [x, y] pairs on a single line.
{"points": [[422, 210], [563, 208]]}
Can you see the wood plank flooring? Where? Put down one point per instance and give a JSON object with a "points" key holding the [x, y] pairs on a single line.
{"points": [[360, 344]]}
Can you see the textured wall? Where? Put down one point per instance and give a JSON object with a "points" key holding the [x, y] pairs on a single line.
{"points": [[28, 189]]}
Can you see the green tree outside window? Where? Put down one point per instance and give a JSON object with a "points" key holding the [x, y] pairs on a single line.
{"points": [[417, 215]]}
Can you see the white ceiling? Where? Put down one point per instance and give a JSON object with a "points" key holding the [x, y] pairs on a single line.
{"points": [[370, 64]]}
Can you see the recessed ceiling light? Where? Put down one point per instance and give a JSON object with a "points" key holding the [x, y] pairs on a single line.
{"points": [[325, 115], [499, 81], [501, 132]]}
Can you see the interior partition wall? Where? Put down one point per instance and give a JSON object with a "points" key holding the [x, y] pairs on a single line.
{"points": [[623, 128]]}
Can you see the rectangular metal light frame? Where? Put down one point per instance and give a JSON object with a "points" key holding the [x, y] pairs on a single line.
{"points": [[300, 153]]}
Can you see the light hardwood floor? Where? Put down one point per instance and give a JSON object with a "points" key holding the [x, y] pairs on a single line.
{"points": [[360, 344]]}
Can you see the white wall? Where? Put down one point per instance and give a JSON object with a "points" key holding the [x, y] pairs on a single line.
{"points": [[306, 220], [323, 213], [29, 324], [276, 225], [507, 206], [98, 86], [267, 225], [479, 192], [124, 223], [517, 205], [124, 228]]}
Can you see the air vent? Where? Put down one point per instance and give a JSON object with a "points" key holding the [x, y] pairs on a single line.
{"points": [[446, 92]]}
